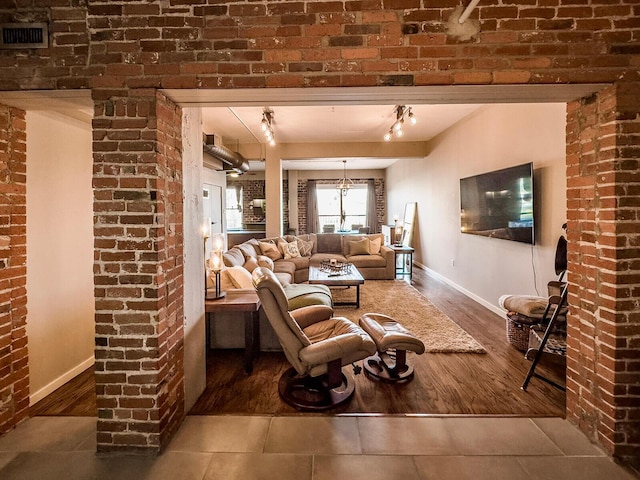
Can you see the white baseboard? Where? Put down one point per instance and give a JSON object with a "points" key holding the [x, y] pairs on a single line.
{"points": [[61, 380], [494, 308]]}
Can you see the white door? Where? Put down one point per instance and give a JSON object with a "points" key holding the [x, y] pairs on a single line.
{"points": [[212, 205]]}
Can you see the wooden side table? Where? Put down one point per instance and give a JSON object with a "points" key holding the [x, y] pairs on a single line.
{"points": [[248, 303], [404, 251]]}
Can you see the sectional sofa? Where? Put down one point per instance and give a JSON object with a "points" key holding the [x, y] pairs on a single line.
{"points": [[292, 255]]}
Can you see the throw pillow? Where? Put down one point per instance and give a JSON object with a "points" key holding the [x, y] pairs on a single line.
{"points": [[304, 247], [240, 277], [360, 247], [375, 245], [290, 250], [266, 262], [251, 264], [270, 250]]}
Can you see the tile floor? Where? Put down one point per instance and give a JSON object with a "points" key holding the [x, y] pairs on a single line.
{"points": [[317, 448]]}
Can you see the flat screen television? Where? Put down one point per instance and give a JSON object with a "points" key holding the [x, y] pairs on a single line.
{"points": [[499, 204]]}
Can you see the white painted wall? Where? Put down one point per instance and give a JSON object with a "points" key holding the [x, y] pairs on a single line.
{"points": [[193, 251], [194, 175], [495, 137], [61, 308]]}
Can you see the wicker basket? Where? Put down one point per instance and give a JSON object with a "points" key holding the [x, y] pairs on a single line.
{"points": [[518, 327]]}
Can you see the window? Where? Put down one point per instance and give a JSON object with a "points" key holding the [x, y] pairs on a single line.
{"points": [[233, 211], [354, 205]]}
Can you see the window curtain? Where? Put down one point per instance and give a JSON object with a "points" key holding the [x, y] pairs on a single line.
{"points": [[372, 211], [239, 197], [312, 208]]}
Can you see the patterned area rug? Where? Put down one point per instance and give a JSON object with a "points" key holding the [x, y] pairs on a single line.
{"points": [[405, 304]]}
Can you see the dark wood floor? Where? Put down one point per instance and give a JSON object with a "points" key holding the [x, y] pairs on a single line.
{"points": [[443, 384]]}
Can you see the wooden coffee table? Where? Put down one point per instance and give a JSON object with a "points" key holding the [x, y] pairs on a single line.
{"points": [[349, 279]]}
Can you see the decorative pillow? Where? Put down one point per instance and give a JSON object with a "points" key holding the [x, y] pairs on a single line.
{"points": [[374, 246], [270, 250], [240, 277], [304, 247], [266, 262], [360, 247], [290, 249], [251, 264]]}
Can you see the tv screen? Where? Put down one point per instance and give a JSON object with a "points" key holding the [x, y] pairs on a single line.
{"points": [[499, 204]]}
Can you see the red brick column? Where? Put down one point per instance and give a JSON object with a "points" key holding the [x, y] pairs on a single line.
{"points": [[603, 180], [138, 270], [14, 367]]}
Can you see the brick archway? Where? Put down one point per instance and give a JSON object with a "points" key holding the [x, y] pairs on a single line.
{"points": [[125, 51]]}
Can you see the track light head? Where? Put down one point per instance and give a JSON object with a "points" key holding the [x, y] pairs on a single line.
{"points": [[402, 112], [266, 127]]}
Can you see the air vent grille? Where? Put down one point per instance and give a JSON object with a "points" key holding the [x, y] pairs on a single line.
{"points": [[24, 35]]}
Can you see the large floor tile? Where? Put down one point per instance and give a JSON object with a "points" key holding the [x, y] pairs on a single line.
{"points": [[6, 457], [51, 465], [364, 467], [81, 465], [49, 434], [499, 436], [405, 436], [314, 435], [566, 436], [574, 468], [471, 468], [259, 466], [170, 465], [221, 434]]}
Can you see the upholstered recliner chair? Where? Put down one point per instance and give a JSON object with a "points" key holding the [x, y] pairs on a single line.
{"points": [[316, 344]]}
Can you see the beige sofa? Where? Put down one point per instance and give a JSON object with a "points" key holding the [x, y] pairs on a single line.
{"points": [[366, 252]]}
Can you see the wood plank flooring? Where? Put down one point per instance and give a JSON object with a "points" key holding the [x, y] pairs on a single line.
{"points": [[443, 384]]}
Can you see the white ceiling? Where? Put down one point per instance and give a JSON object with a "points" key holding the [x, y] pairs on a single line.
{"points": [[329, 124]]}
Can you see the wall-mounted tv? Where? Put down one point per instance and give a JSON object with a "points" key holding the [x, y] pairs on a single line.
{"points": [[499, 204]]}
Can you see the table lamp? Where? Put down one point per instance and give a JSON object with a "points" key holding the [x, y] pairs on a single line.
{"points": [[216, 264]]}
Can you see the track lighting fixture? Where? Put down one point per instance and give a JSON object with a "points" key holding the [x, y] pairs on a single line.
{"points": [[266, 127], [396, 129]]}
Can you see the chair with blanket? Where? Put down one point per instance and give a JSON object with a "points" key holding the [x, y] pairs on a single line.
{"points": [[316, 344], [537, 325]]}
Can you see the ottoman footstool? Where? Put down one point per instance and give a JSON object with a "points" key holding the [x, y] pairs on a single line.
{"points": [[392, 341]]}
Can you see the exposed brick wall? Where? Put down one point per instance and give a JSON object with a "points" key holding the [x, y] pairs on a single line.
{"points": [[65, 64], [252, 189], [125, 50], [14, 367], [138, 270], [198, 44], [603, 177]]}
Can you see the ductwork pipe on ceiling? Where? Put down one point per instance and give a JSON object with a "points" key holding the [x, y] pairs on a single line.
{"points": [[231, 160]]}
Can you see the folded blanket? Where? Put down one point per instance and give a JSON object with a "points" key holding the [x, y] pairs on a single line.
{"points": [[529, 306]]}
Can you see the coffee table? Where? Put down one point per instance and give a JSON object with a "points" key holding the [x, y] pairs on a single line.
{"points": [[348, 279]]}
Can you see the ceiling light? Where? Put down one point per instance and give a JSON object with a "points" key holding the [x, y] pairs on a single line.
{"points": [[266, 126], [396, 128], [345, 184], [412, 118]]}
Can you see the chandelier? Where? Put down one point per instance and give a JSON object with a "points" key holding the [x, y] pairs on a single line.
{"points": [[345, 184], [266, 127], [396, 130]]}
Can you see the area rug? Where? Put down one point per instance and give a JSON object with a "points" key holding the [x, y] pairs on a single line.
{"points": [[405, 304]]}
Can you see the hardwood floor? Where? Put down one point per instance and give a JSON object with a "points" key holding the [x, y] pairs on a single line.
{"points": [[444, 383]]}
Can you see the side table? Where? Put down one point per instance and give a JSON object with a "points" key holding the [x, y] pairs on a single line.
{"points": [[407, 253], [248, 303]]}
